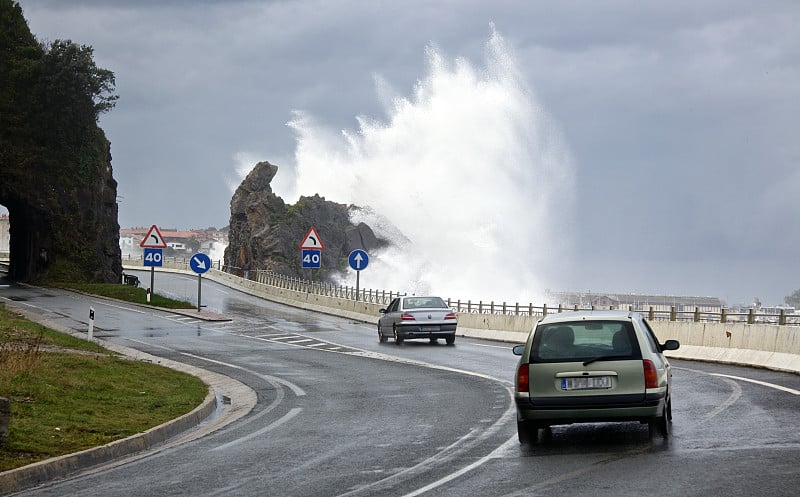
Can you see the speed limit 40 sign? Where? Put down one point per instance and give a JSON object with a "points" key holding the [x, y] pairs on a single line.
{"points": [[311, 259], [153, 257]]}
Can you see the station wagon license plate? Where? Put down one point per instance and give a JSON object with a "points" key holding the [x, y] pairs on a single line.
{"points": [[586, 383]]}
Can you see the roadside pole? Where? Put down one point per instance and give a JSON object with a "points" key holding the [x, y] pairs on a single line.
{"points": [[200, 263]]}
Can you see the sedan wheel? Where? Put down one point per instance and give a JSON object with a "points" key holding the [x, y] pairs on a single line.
{"points": [[398, 340], [381, 337]]}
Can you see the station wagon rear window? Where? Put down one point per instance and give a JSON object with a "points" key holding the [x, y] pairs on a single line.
{"points": [[585, 340]]}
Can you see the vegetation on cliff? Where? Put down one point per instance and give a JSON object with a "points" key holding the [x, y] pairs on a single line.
{"points": [[54, 159]]}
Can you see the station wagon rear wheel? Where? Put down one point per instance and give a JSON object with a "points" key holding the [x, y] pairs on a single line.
{"points": [[527, 432], [661, 424]]}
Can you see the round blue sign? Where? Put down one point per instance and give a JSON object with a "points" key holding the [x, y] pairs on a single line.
{"points": [[358, 259], [200, 263]]}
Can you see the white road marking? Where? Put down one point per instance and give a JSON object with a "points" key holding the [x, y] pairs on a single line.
{"points": [[759, 382], [749, 380], [286, 417]]}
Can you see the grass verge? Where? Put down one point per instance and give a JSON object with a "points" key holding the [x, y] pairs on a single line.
{"points": [[68, 394], [127, 293]]}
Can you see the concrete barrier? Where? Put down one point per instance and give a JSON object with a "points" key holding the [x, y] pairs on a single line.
{"points": [[758, 345]]}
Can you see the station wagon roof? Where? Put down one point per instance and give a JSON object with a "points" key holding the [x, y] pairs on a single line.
{"points": [[588, 315]]}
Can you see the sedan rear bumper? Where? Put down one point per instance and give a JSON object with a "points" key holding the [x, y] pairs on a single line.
{"points": [[411, 331]]}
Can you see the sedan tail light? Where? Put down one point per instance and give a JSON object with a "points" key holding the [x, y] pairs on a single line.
{"points": [[452, 315], [650, 374], [523, 380], [406, 317]]}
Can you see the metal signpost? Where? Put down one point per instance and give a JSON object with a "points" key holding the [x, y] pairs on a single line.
{"points": [[200, 263], [358, 260], [152, 244]]}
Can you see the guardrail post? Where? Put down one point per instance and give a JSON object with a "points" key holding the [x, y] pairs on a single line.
{"points": [[782, 317], [723, 317], [469, 306], [560, 309], [673, 314], [480, 307], [544, 310], [576, 307], [696, 314], [751, 318], [530, 308]]}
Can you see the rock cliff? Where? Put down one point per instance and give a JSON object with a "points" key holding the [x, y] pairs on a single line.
{"points": [[266, 233]]}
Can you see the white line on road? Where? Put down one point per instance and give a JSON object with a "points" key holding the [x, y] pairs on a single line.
{"points": [[286, 417], [759, 382], [749, 380]]}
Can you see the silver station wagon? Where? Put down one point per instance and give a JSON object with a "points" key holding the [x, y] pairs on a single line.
{"points": [[592, 366]]}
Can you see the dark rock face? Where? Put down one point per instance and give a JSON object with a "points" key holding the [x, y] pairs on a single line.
{"points": [[266, 233], [59, 232]]}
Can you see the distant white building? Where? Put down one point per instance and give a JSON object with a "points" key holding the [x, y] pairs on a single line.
{"points": [[5, 236]]}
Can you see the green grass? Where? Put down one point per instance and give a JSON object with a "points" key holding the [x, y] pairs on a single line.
{"points": [[68, 395], [127, 293]]}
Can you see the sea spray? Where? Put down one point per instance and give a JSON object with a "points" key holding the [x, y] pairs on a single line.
{"points": [[468, 177]]}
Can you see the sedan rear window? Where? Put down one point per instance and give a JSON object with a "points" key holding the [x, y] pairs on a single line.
{"points": [[585, 341], [424, 303]]}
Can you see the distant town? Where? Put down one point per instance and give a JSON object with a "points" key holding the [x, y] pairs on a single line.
{"points": [[210, 241]]}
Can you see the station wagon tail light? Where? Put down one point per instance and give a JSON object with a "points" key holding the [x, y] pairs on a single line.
{"points": [[523, 380], [650, 374], [452, 315], [406, 317]]}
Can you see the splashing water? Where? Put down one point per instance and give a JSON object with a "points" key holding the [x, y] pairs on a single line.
{"points": [[470, 172]]}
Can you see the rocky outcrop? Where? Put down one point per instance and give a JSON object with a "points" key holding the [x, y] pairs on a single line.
{"points": [[266, 233]]}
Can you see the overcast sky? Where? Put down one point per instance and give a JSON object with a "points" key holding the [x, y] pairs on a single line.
{"points": [[677, 122]]}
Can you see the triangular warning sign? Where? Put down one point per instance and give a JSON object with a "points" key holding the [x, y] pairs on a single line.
{"points": [[153, 239], [312, 240]]}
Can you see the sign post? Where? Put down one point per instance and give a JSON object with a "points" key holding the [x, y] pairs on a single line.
{"points": [[358, 260], [200, 263], [90, 332], [153, 256]]}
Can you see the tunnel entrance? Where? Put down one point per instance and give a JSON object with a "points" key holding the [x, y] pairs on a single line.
{"points": [[23, 252]]}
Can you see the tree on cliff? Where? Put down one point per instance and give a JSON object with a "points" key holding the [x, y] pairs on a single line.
{"points": [[54, 160]]}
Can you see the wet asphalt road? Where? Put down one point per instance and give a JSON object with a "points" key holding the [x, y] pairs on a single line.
{"points": [[340, 414]]}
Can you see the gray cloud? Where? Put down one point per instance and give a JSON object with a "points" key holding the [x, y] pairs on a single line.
{"points": [[680, 116]]}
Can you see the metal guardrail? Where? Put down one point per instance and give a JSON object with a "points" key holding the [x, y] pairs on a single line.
{"points": [[382, 297]]}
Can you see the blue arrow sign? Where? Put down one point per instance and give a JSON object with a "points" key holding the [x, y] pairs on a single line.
{"points": [[358, 259], [200, 263]]}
